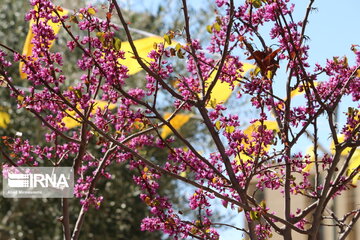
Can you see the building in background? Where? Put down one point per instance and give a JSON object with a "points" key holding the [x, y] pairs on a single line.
{"points": [[347, 201]]}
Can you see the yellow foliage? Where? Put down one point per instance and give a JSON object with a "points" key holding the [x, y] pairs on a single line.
{"points": [[244, 158], [354, 161], [177, 122], [270, 125], [143, 47], [294, 93], [310, 152], [341, 138], [71, 123], [297, 90], [91, 11], [222, 90], [353, 165], [4, 119], [28, 46]]}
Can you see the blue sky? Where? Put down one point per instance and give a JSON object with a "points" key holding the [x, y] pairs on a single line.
{"points": [[332, 28]]}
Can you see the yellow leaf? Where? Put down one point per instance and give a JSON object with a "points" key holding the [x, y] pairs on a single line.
{"points": [[217, 26], [102, 104], [71, 123], [294, 93], [177, 122], [139, 125], [243, 157], [341, 139], [254, 215], [354, 161], [310, 152], [255, 72], [143, 47], [117, 44], [355, 179], [263, 204], [353, 165], [218, 125], [28, 46], [167, 39], [222, 90], [229, 129], [4, 119], [358, 73], [155, 45], [178, 47], [101, 36], [270, 125], [297, 90], [20, 99], [91, 11]]}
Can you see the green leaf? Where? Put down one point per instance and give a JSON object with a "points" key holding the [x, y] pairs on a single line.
{"points": [[256, 3], [117, 44], [78, 93], [101, 37], [254, 215], [167, 39], [263, 204], [213, 103], [218, 125]]}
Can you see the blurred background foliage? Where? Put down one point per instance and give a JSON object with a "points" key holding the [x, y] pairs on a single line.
{"points": [[121, 212]]}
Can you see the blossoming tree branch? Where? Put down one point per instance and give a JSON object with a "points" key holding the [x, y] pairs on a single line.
{"points": [[100, 120]]}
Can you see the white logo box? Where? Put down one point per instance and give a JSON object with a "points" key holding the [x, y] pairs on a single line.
{"points": [[38, 182]]}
